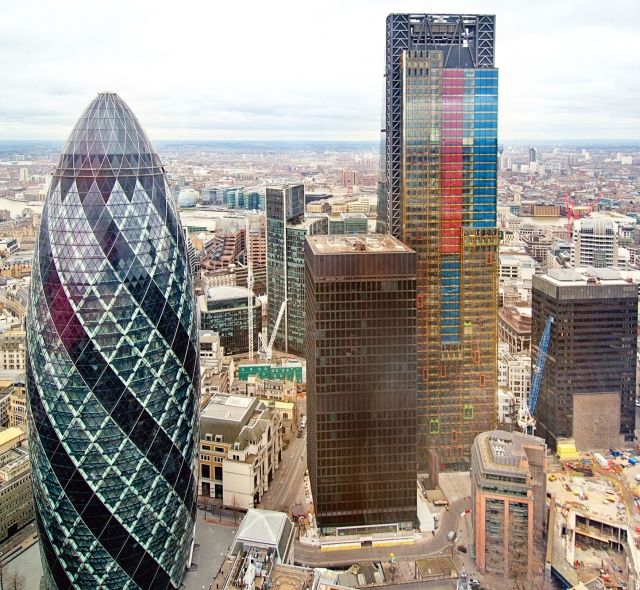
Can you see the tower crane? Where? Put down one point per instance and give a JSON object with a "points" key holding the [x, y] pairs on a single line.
{"points": [[526, 419], [247, 249], [266, 348]]}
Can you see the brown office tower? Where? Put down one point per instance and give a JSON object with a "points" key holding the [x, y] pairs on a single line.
{"points": [[438, 195], [508, 494], [360, 347], [588, 387]]}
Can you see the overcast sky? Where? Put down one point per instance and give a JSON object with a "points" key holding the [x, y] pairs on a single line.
{"points": [[295, 69]]}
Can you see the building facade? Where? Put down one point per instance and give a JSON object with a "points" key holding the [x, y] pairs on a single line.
{"points": [[16, 496], [240, 450], [508, 495], [224, 310], [361, 380], [13, 345], [514, 328], [286, 233], [595, 243], [112, 364], [589, 383], [438, 195]]}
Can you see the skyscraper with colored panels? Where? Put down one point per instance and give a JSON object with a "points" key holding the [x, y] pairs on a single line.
{"points": [[112, 371], [438, 195]]}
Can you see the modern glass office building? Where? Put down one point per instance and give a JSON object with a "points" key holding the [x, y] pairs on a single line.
{"points": [[287, 230], [360, 348], [112, 364], [438, 195]]}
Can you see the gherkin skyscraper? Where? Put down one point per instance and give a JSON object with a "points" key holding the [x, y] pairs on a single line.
{"points": [[112, 372]]}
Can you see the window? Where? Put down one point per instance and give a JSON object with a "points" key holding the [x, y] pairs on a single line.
{"points": [[482, 380], [434, 426], [207, 437], [467, 412], [205, 471]]}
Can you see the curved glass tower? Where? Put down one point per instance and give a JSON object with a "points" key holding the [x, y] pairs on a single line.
{"points": [[112, 370]]}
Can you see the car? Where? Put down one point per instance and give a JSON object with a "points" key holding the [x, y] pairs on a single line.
{"points": [[637, 403], [451, 536], [553, 477], [462, 549]]}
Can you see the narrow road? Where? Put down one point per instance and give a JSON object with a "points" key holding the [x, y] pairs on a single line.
{"points": [[287, 481], [428, 546]]}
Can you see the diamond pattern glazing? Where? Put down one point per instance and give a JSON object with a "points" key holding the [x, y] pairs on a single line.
{"points": [[112, 370]]}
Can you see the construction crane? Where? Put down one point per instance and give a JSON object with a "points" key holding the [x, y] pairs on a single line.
{"points": [[526, 419], [573, 213], [249, 261], [266, 348]]}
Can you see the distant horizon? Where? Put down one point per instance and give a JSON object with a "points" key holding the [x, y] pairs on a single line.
{"points": [[569, 142]]}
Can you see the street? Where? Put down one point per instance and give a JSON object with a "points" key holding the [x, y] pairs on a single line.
{"points": [[429, 545], [287, 489]]}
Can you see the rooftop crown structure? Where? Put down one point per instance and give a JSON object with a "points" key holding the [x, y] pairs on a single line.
{"points": [[112, 369]]}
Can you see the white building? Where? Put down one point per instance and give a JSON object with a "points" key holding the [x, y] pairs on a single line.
{"points": [[507, 406], [240, 450], [514, 372], [595, 243], [516, 266]]}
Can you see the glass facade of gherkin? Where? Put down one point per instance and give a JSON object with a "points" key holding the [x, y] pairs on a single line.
{"points": [[112, 370]]}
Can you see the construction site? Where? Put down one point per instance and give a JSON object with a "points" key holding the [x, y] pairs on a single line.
{"points": [[594, 520]]}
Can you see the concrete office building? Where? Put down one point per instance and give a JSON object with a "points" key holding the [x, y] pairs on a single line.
{"points": [[595, 243], [361, 396], [508, 495], [589, 383]]}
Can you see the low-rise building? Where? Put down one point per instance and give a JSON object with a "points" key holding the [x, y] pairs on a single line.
{"points": [[8, 246], [16, 499], [508, 495], [514, 328], [13, 346], [240, 449], [17, 265]]}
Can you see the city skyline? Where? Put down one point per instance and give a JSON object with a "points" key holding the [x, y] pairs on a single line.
{"points": [[211, 81]]}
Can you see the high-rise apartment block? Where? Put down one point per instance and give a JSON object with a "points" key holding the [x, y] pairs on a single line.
{"points": [[286, 233], [508, 495], [589, 382], [361, 381], [112, 364], [438, 195]]}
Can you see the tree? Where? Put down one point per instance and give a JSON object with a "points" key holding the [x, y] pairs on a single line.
{"points": [[16, 582]]}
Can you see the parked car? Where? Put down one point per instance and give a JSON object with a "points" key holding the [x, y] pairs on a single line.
{"points": [[462, 549]]}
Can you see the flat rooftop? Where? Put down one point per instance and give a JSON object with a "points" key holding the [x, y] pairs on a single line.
{"points": [[503, 451], [569, 277], [339, 244], [229, 408]]}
